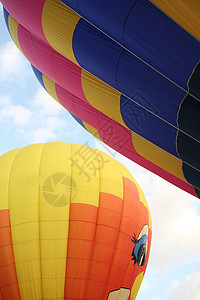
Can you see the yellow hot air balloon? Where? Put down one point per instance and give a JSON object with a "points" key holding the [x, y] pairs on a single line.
{"points": [[73, 225]]}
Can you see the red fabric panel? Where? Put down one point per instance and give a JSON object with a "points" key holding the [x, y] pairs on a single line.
{"points": [[28, 13]]}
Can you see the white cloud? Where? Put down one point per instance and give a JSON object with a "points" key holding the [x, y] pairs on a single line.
{"points": [[45, 131], [47, 121], [144, 285], [40, 122], [13, 113], [44, 103], [41, 119], [17, 113], [12, 63], [4, 101], [189, 288], [176, 226]]}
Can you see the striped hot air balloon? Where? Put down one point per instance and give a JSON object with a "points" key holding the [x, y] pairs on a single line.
{"points": [[127, 69], [73, 225]]}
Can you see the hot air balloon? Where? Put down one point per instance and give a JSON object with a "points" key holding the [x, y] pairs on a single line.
{"points": [[73, 225], [127, 70]]}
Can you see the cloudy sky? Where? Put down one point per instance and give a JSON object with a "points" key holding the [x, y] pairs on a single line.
{"points": [[29, 115]]}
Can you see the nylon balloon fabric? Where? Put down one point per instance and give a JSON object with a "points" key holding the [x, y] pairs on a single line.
{"points": [[138, 69], [74, 224]]}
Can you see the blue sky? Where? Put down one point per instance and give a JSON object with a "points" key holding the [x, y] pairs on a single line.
{"points": [[29, 115]]}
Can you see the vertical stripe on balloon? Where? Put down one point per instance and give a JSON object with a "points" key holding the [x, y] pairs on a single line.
{"points": [[59, 23], [9, 288]]}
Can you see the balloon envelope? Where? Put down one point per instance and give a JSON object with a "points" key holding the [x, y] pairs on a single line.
{"points": [[134, 73], [73, 225]]}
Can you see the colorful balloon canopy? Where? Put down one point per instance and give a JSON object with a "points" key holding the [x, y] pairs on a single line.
{"points": [[73, 225], [127, 70]]}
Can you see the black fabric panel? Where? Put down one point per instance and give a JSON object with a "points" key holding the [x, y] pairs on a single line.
{"points": [[197, 191], [188, 150], [194, 83], [192, 176], [189, 121], [189, 116]]}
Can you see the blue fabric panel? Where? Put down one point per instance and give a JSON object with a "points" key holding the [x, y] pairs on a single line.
{"points": [[158, 40], [148, 126], [144, 85], [6, 14], [95, 52], [108, 61], [109, 16], [72, 4], [147, 32], [77, 119], [38, 75]]}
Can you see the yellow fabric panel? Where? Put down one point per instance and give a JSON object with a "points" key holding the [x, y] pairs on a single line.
{"points": [[85, 174], [184, 12], [92, 130], [6, 162], [55, 192], [13, 27], [59, 23], [50, 87], [24, 217], [158, 156], [125, 173], [102, 97], [111, 177], [136, 285]]}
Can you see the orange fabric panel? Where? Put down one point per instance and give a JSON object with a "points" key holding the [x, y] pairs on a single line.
{"points": [[75, 288], [10, 292], [79, 249], [95, 288], [124, 246], [112, 202], [108, 224], [8, 278], [106, 235], [76, 230], [77, 268], [6, 254], [104, 249], [144, 216], [109, 218], [83, 212], [4, 218], [99, 256], [5, 236], [98, 271], [82, 227]]}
